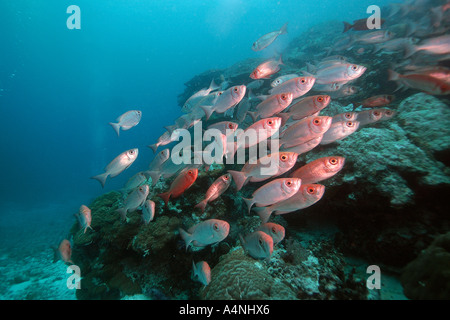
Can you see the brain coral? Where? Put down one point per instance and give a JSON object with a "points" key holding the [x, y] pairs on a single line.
{"points": [[238, 276]]}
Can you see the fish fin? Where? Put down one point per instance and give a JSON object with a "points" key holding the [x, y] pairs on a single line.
{"points": [[392, 75], [171, 128], [347, 26], [239, 178], [249, 203], [253, 115], [208, 111], [165, 196], [280, 61], [116, 127], [123, 213], [308, 74], [213, 86], [154, 147], [202, 205], [283, 29], [154, 175], [409, 50], [101, 178], [284, 117], [264, 213], [356, 105], [187, 237]]}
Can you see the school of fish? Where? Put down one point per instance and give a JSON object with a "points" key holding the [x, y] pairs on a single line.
{"points": [[287, 114]]}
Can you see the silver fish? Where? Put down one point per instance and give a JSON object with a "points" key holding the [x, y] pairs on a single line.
{"points": [[297, 86], [268, 38], [307, 195], [205, 233], [148, 211], [134, 200], [264, 168], [119, 164], [282, 79], [272, 192], [339, 130], [259, 245], [127, 121], [274, 230]]}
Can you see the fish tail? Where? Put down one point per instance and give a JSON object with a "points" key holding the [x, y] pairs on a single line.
{"points": [[208, 111], [264, 213], [284, 117], [347, 26], [123, 213], [409, 49], [154, 175], [165, 196], [249, 203], [154, 147], [213, 86], [356, 105], [116, 127], [283, 29], [253, 115], [280, 60], [392, 75], [187, 238], [101, 178], [239, 178], [202, 205]]}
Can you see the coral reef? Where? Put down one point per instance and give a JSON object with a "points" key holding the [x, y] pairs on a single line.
{"points": [[427, 276], [387, 205]]}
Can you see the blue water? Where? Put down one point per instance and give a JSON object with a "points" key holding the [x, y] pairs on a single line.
{"points": [[61, 87]]}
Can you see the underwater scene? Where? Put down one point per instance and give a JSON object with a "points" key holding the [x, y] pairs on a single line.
{"points": [[225, 150]]}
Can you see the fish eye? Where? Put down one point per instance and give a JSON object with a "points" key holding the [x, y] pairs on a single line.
{"points": [[348, 115], [270, 122], [216, 226], [274, 230], [230, 125], [260, 242], [388, 112], [316, 121], [288, 183], [350, 124], [190, 172], [333, 161], [376, 113], [320, 99], [283, 157], [283, 96], [219, 93], [225, 177], [236, 89], [302, 80], [354, 67], [131, 151], [141, 189], [310, 190]]}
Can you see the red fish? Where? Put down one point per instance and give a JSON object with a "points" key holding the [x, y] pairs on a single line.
{"points": [[422, 82], [375, 101], [215, 190], [181, 183], [266, 69], [319, 169]]}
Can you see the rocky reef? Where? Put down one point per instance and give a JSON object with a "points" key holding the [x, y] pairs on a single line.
{"points": [[387, 206]]}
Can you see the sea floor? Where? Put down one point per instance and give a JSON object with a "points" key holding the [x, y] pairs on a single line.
{"points": [[29, 273]]}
